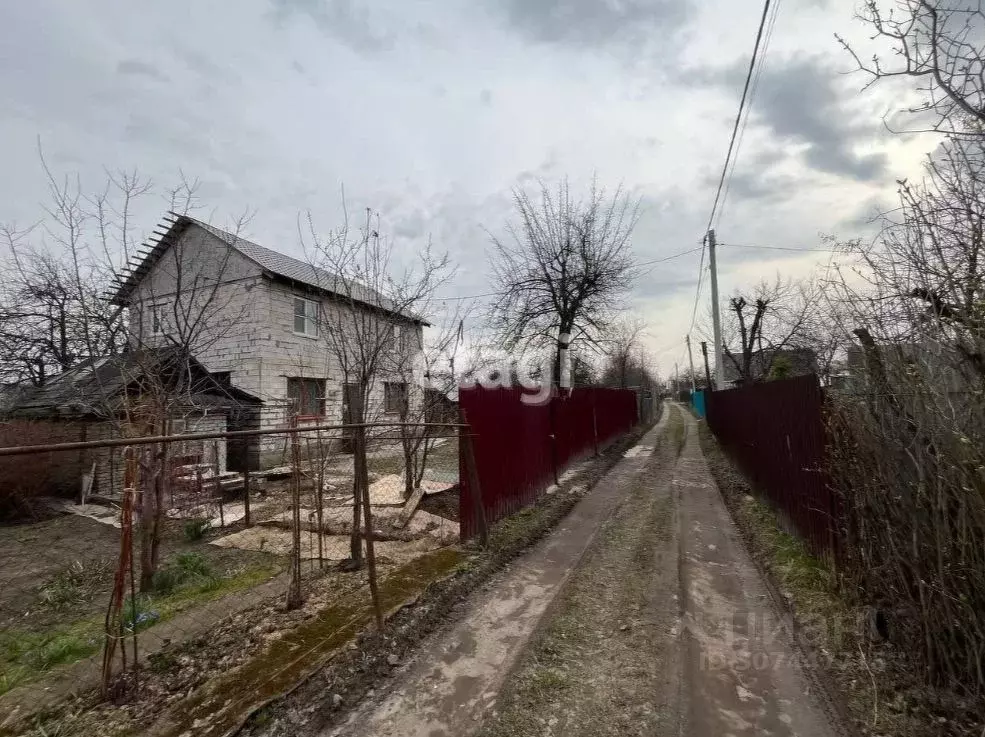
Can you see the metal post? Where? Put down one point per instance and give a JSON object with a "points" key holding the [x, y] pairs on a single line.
{"points": [[246, 494], [215, 481], [472, 474], [716, 318], [690, 359]]}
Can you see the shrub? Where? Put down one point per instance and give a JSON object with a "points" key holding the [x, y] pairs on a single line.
{"points": [[193, 565], [183, 569], [195, 529]]}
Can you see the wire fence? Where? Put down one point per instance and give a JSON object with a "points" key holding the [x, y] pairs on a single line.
{"points": [[116, 550]]}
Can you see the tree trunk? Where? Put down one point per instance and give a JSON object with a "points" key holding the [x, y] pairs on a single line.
{"points": [[356, 415], [294, 595], [362, 481], [148, 521]]}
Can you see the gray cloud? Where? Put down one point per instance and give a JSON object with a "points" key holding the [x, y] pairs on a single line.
{"points": [[801, 101], [137, 68], [594, 22], [347, 21], [755, 185]]}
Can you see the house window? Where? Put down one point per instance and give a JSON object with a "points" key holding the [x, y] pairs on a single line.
{"points": [[307, 395], [305, 317], [398, 339], [394, 396], [158, 319]]}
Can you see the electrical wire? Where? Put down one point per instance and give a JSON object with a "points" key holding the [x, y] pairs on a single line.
{"points": [[779, 248], [660, 260], [697, 292], [731, 147], [764, 56], [738, 116]]}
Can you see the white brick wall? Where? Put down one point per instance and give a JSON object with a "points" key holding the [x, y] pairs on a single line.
{"points": [[254, 336]]}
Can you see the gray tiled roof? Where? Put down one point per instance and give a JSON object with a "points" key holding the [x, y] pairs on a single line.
{"points": [[273, 262]]}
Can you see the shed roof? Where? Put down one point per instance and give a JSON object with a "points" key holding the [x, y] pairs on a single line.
{"points": [[97, 387]]}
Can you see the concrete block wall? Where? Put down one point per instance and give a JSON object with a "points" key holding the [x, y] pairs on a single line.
{"points": [[261, 350]]}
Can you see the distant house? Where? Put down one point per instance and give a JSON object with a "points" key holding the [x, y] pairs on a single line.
{"points": [[769, 363], [907, 364], [264, 333], [104, 398]]}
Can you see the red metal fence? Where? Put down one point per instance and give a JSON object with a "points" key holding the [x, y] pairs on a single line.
{"points": [[775, 432], [520, 448]]}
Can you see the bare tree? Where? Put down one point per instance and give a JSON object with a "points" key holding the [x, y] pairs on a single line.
{"points": [[432, 365], [621, 347], [369, 324], [939, 43], [770, 320], [562, 271], [56, 312], [906, 443]]}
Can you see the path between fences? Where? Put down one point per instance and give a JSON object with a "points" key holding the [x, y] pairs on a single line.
{"points": [[453, 680], [86, 674], [730, 663]]}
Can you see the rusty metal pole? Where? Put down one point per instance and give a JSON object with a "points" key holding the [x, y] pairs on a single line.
{"points": [[320, 500], [704, 352]]}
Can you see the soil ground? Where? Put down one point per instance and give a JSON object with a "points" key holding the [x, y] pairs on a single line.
{"points": [[35, 554], [876, 686], [604, 663], [663, 627]]}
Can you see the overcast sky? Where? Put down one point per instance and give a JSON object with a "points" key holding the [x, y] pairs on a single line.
{"points": [[430, 111]]}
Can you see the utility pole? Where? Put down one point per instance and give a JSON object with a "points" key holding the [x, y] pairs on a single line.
{"points": [[716, 318], [704, 352], [690, 360]]}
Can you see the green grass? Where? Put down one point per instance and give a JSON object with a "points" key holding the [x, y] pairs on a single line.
{"points": [[186, 580], [795, 569], [195, 529], [25, 656]]}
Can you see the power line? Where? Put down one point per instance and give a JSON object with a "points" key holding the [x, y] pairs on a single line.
{"points": [[731, 148], [779, 248], [697, 292], [738, 116], [752, 96], [668, 258], [661, 260]]}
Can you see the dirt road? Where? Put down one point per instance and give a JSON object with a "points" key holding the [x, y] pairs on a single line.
{"points": [[642, 614]]}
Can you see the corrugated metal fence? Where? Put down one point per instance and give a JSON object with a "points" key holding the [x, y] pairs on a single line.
{"points": [[775, 432], [520, 448]]}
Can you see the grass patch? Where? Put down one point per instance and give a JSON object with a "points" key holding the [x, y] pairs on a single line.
{"points": [[186, 580], [808, 583], [195, 529], [24, 656]]}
